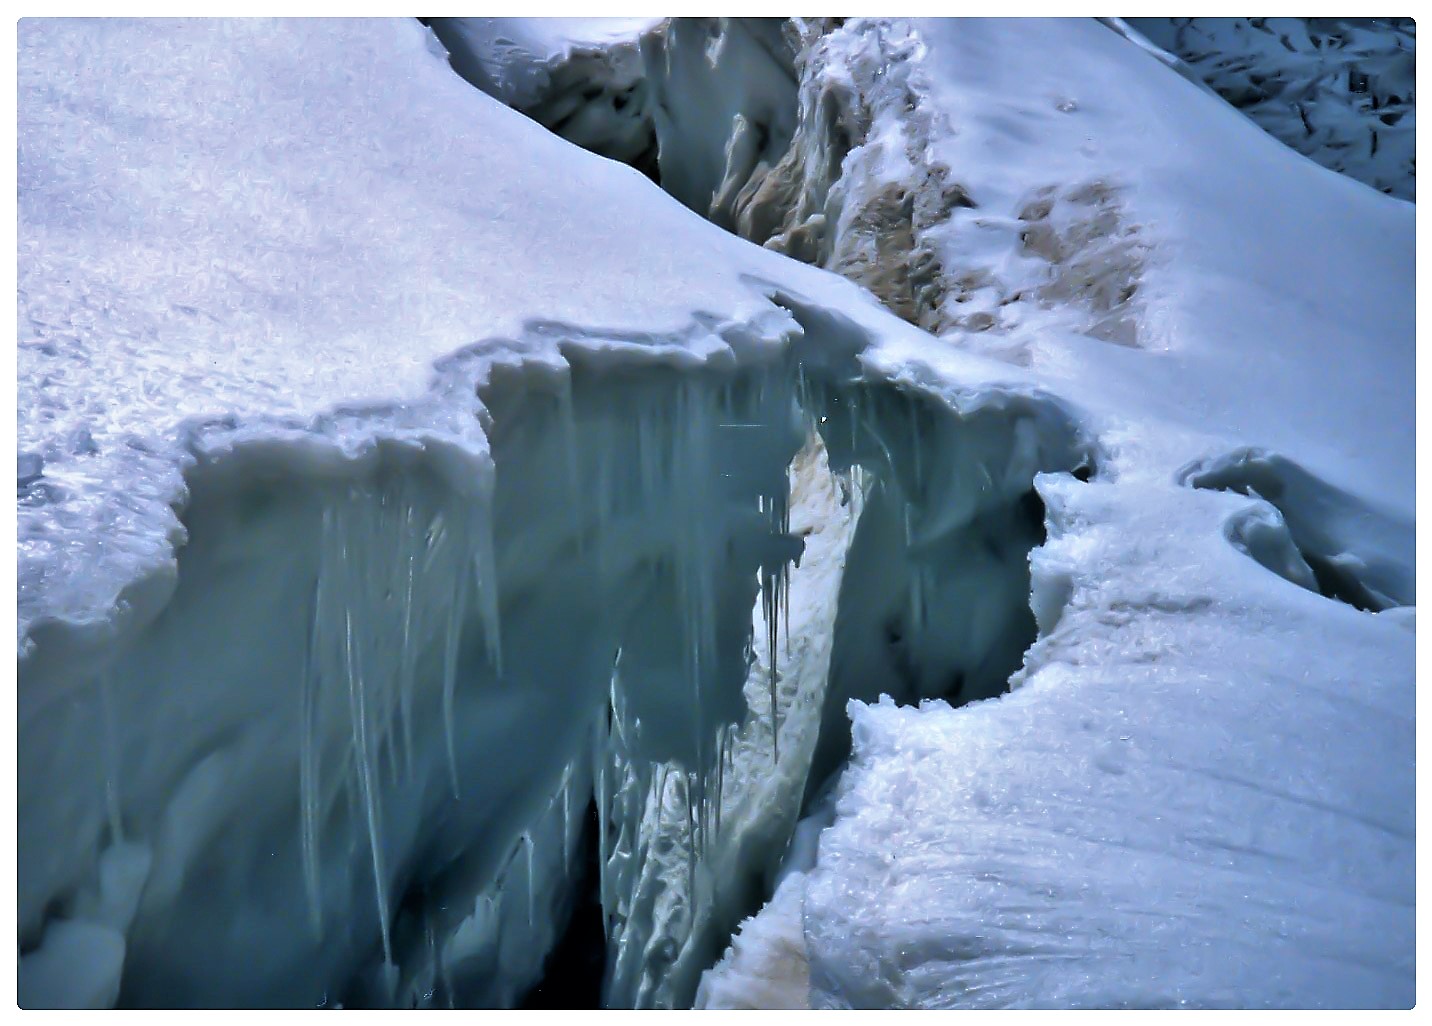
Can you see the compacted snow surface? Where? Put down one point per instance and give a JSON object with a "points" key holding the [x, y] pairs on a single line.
{"points": [[420, 516]]}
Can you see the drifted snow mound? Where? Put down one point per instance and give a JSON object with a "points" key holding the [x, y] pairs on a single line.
{"points": [[1339, 90]]}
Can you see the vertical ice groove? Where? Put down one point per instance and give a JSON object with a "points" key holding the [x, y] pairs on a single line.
{"points": [[353, 671], [436, 535], [110, 736], [648, 455], [871, 430]]}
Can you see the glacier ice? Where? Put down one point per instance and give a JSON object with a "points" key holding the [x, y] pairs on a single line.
{"points": [[403, 695], [363, 568], [1339, 90]]}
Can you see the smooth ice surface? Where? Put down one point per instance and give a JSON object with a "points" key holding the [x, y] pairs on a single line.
{"points": [[305, 287]]}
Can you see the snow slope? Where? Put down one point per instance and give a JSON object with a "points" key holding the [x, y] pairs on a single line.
{"points": [[298, 304]]}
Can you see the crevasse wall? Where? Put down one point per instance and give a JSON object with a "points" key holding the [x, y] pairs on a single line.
{"points": [[414, 693]]}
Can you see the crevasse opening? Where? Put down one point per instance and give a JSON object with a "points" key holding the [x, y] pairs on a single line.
{"points": [[657, 613]]}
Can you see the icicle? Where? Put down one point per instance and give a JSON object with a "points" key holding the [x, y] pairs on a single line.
{"points": [[485, 564], [786, 567], [308, 781], [385, 553], [774, 611], [407, 548], [110, 737], [527, 843], [358, 714], [768, 610], [451, 641], [803, 399]]}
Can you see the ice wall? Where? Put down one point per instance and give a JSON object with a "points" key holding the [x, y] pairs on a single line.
{"points": [[413, 689]]}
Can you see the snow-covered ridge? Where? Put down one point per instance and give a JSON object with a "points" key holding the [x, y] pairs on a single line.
{"points": [[528, 489]]}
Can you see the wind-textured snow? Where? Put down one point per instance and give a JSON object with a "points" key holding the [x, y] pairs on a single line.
{"points": [[508, 483]]}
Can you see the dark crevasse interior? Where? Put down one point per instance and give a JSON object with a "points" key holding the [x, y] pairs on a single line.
{"points": [[572, 973]]}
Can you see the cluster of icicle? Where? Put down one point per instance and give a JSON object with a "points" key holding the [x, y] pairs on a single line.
{"points": [[397, 587], [660, 822], [391, 581]]}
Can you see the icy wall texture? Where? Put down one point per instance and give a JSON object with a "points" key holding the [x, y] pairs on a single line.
{"points": [[437, 745]]}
